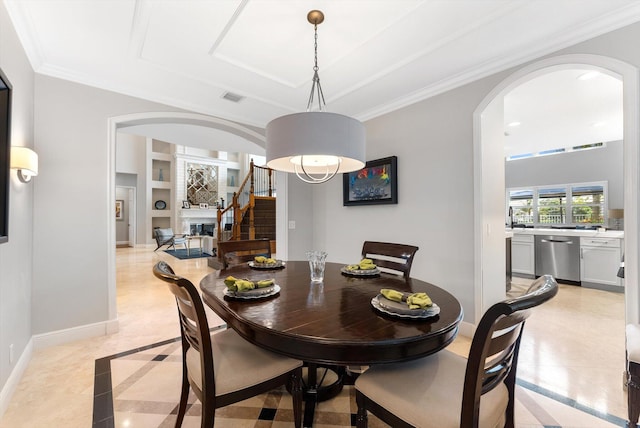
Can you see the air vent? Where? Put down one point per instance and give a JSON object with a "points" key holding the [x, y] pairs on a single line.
{"points": [[230, 96]]}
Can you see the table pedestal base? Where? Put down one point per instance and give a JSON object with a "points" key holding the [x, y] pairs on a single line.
{"points": [[319, 383]]}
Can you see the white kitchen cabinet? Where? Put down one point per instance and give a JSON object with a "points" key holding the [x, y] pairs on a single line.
{"points": [[599, 261], [522, 254]]}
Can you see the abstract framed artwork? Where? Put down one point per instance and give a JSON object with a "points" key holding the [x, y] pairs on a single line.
{"points": [[376, 183]]}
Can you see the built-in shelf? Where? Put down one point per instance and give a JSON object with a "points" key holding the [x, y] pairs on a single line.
{"points": [[160, 179], [233, 177]]}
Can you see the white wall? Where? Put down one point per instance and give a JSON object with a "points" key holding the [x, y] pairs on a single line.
{"points": [[131, 158], [70, 281], [16, 256]]}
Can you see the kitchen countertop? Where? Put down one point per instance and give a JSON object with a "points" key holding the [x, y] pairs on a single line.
{"points": [[566, 232]]}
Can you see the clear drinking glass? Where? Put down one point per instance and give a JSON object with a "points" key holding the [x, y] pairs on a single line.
{"points": [[316, 264]]}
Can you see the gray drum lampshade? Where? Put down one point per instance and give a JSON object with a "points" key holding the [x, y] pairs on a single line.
{"points": [[315, 134]]}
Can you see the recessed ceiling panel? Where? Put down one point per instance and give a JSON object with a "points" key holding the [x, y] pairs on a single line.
{"points": [[274, 39], [178, 32]]}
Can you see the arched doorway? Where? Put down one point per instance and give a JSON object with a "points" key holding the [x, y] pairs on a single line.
{"points": [[180, 119], [489, 177]]}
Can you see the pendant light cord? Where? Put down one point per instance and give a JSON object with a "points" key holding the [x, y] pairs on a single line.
{"points": [[315, 87]]}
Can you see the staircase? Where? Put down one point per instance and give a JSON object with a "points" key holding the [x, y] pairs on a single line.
{"points": [[264, 213], [252, 209]]}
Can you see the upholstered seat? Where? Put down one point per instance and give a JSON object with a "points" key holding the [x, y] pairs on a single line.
{"points": [[445, 390], [437, 388]]}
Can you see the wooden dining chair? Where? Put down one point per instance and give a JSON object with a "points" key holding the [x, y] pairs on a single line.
{"points": [[632, 345], [446, 390], [393, 258], [223, 368], [242, 251]]}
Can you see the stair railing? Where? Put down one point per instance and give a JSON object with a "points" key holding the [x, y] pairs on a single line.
{"points": [[259, 182]]}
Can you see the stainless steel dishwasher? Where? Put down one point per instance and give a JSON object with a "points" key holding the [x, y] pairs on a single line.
{"points": [[558, 256]]}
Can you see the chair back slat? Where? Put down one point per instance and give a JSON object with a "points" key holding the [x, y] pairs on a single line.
{"points": [[390, 257], [237, 252], [506, 338], [493, 357]]}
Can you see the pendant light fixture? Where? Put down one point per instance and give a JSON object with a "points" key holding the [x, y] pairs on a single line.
{"points": [[315, 145]]}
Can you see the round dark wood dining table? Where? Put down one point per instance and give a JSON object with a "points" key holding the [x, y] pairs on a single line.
{"points": [[332, 322]]}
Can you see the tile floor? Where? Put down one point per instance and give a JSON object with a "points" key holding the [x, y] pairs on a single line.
{"points": [[572, 351]]}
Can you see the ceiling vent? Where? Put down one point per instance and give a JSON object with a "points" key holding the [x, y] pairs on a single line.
{"points": [[230, 96]]}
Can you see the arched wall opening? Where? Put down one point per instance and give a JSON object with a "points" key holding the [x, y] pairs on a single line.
{"points": [[189, 119], [489, 177]]}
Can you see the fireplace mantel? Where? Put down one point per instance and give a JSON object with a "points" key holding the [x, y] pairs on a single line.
{"points": [[193, 213]]}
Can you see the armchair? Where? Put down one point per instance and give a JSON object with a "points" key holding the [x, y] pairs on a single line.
{"points": [[165, 236]]}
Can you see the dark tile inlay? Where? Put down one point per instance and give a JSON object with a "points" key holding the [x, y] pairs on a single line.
{"points": [[267, 414], [571, 403]]}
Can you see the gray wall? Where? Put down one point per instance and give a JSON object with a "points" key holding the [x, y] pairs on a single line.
{"points": [[16, 256], [433, 140], [574, 167]]}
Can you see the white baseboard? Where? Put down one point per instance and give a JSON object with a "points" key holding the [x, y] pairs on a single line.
{"points": [[14, 378], [59, 337], [466, 329]]}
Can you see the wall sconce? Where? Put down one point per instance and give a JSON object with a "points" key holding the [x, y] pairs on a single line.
{"points": [[25, 161]]}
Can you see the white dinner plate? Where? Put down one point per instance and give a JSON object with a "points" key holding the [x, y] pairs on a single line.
{"points": [[400, 309], [360, 272], [277, 265], [256, 293]]}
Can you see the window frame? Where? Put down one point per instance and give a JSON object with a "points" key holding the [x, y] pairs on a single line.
{"points": [[568, 206]]}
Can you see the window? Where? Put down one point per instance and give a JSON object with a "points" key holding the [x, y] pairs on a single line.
{"points": [[587, 204], [556, 151], [552, 205], [521, 201], [578, 204]]}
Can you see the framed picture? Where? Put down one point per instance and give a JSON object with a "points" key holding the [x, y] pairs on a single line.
{"points": [[119, 211], [5, 155], [186, 205], [376, 183], [204, 206]]}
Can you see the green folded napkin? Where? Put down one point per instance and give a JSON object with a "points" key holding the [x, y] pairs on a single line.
{"points": [[367, 266], [393, 295], [364, 264], [419, 301], [244, 285], [414, 301]]}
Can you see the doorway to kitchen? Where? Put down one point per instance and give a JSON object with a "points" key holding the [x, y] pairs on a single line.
{"points": [[543, 357], [489, 170]]}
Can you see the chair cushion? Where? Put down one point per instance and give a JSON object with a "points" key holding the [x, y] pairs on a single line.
{"points": [[633, 342], [164, 233], [238, 364], [428, 392]]}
